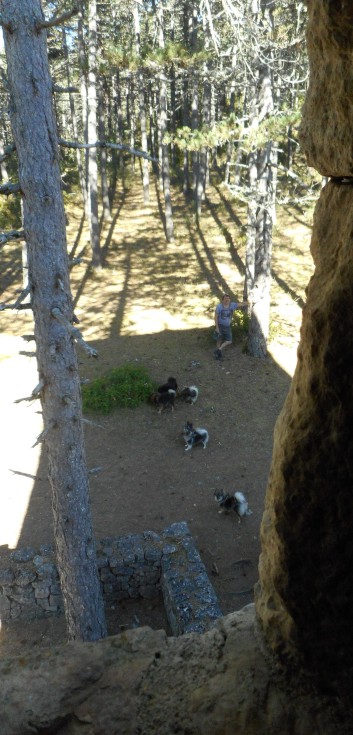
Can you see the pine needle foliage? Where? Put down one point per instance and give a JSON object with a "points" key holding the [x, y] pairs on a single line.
{"points": [[124, 387]]}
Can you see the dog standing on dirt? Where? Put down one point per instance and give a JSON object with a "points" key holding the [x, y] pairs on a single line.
{"points": [[237, 503], [189, 394], [165, 395], [194, 437]]}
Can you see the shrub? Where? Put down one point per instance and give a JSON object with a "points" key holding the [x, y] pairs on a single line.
{"points": [[240, 326], [122, 387]]}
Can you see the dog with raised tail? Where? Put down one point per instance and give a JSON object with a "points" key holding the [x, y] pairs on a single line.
{"points": [[165, 395], [189, 394], [194, 437], [171, 384], [237, 503]]}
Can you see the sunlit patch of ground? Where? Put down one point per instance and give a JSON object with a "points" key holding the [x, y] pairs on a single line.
{"points": [[146, 287]]}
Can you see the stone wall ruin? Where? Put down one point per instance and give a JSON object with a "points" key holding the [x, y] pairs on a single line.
{"points": [[286, 670]]}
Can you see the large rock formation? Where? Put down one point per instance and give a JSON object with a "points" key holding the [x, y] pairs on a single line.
{"points": [[287, 670], [143, 683], [305, 597], [326, 130]]}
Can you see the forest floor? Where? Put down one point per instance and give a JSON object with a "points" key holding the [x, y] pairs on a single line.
{"points": [[152, 304]]}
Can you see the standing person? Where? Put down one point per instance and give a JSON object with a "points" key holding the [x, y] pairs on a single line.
{"points": [[223, 322]]}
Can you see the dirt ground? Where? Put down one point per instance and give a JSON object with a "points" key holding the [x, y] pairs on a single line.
{"points": [[152, 304]]}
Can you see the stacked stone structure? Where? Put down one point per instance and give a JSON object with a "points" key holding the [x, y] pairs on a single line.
{"points": [[286, 669]]}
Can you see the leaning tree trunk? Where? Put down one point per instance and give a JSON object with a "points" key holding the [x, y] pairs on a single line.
{"points": [[35, 135]]}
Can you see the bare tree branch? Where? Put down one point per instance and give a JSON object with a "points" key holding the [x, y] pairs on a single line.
{"points": [[35, 393], [74, 332], [17, 306], [11, 235], [56, 20], [9, 188], [26, 291], [105, 144], [28, 337], [57, 88]]}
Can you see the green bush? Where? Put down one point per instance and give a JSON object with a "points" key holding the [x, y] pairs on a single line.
{"points": [[10, 213], [122, 387], [240, 326]]}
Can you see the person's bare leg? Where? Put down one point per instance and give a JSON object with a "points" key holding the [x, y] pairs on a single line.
{"points": [[223, 345]]}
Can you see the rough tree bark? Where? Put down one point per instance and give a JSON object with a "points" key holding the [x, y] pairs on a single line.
{"points": [[34, 132]]}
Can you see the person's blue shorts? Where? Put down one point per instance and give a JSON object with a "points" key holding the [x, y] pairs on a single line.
{"points": [[226, 333]]}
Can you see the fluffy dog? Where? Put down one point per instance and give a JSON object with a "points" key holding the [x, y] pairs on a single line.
{"points": [[164, 400], [171, 384], [165, 395], [189, 394], [194, 437], [236, 502]]}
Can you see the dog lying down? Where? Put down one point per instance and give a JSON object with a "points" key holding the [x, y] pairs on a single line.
{"points": [[236, 502], [194, 437]]}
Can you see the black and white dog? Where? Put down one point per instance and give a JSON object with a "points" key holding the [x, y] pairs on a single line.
{"points": [[194, 437], [165, 395], [189, 394], [237, 502], [171, 384]]}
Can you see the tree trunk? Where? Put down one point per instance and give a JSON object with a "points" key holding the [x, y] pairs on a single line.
{"points": [[142, 111], [83, 94], [107, 216], [34, 132], [81, 174], [92, 135], [260, 219], [169, 225], [259, 265], [3, 167]]}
